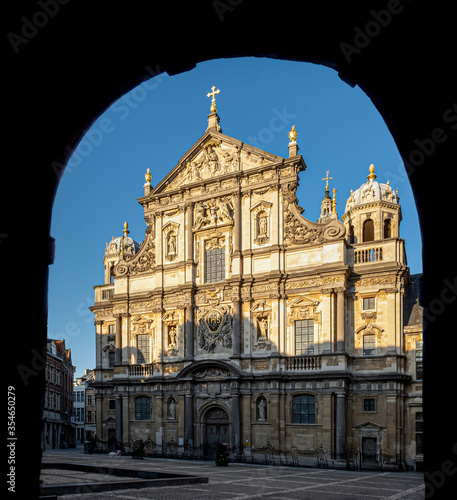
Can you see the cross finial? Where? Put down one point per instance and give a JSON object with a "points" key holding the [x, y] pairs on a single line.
{"points": [[326, 179], [213, 100]]}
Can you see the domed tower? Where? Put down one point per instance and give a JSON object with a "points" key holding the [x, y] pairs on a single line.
{"points": [[372, 212], [117, 248]]}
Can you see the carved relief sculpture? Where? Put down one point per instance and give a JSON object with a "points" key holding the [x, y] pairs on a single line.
{"points": [[215, 328], [212, 212]]}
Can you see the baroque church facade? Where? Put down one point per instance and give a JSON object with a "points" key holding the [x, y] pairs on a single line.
{"points": [[237, 319]]}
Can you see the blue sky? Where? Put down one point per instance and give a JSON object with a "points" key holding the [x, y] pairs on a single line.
{"points": [[152, 126]]}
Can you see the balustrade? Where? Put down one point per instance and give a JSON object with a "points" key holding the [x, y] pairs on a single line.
{"points": [[365, 255], [304, 363], [141, 370], [107, 293]]}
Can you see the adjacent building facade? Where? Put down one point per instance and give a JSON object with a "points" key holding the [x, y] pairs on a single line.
{"points": [[58, 420], [238, 319], [84, 407]]}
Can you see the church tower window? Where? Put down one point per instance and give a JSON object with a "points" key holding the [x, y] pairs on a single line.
{"points": [[387, 229], [368, 231], [304, 336]]}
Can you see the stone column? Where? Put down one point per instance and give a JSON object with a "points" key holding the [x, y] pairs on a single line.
{"points": [[236, 327], [189, 420], [236, 423], [98, 344], [189, 332], [340, 427], [118, 340], [340, 319], [237, 228], [189, 233], [119, 419], [237, 234]]}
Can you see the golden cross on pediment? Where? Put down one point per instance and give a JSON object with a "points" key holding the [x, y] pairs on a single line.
{"points": [[213, 100]]}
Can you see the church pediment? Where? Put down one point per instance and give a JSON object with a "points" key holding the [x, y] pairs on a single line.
{"points": [[214, 155]]}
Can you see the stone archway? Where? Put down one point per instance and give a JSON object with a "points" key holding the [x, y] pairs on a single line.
{"points": [[216, 427], [419, 112]]}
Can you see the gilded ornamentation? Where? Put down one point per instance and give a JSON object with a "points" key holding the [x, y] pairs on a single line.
{"points": [[212, 94], [293, 134]]}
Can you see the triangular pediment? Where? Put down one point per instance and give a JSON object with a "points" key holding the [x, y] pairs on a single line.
{"points": [[214, 156], [369, 424], [303, 302]]}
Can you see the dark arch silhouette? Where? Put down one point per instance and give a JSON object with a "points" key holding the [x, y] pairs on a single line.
{"points": [[68, 61]]}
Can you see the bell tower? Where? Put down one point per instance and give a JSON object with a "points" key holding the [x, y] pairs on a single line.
{"points": [[373, 212]]}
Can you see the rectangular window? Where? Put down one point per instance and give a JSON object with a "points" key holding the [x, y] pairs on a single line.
{"points": [[214, 265], [142, 345], [304, 409], [111, 404], [304, 336], [419, 431], [89, 400], [111, 328], [369, 345], [89, 416], [369, 404], [142, 408], [368, 303], [111, 358], [419, 360]]}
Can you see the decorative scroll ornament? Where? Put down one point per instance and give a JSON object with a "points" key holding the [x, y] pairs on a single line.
{"points": [[301, 231], [145, 259]]}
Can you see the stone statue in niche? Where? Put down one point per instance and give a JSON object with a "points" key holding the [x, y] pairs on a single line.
{"points": [[171, 409], [171, 337], [262, 228], [171, 246], [263, 328], [261, 410]]}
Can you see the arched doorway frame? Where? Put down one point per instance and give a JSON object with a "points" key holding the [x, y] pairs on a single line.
{"points": [[202, 425]]}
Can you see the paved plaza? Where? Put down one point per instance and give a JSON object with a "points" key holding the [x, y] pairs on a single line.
{"points": [[243, 482]]}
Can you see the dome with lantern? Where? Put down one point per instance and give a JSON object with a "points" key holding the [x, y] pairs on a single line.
{"points": [[122, 244], [372, 191]]}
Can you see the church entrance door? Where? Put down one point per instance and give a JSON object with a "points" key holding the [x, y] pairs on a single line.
{"points": [[369, 450], [216, 429]]}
